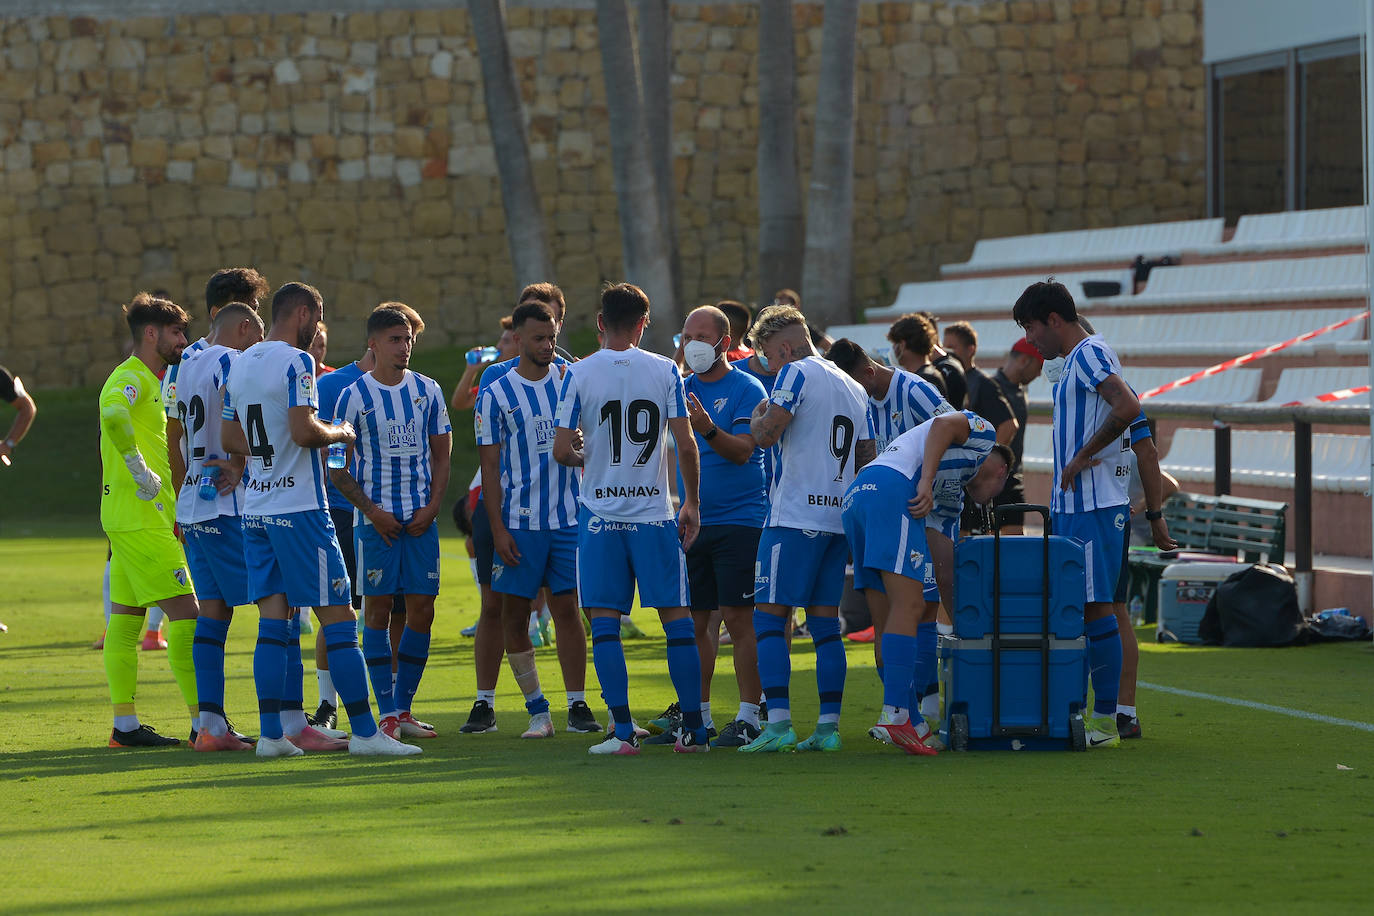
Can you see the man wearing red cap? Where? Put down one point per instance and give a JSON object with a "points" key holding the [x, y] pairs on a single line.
{"points": [[1021, 367]]}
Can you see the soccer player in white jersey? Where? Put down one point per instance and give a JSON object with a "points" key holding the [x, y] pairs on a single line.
{"points": [[531, 503], [820, 417], [289, 546], [1093, 409], [210, 522], [891, 557], [402, 447], [622, 398]]}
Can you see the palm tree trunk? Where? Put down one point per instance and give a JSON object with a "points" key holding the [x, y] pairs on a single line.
{"points": [[780, 204], [642, 238], [655, 71], [529, 247], [828, 277]]}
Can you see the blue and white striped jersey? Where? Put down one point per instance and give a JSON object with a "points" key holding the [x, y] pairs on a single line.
{"points": [[1079, 412], [518, 415], [622, 400], [198, 408], [268, 380], [394, 423], [909, 402], [906, 454], [815, 464], [169, 378]]}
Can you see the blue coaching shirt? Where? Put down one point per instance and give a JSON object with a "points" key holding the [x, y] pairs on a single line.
{"points": [[328, 387], [731, 494]]}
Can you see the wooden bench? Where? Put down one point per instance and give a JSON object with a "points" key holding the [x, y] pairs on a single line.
{"points": [[1251, 530]]}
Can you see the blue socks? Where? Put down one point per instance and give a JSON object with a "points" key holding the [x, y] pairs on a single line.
{"points": [[350, 677], [831, 664], [1104, 662], [293, 690], [411, 656], [684, 668], [775, 665], [207, 654], [899, 660], [608, 657], [269, 674], [377, 653]]}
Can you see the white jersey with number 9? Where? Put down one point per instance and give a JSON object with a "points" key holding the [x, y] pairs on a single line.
{"points": [[815, 464], [270, 378], [622, 400]]}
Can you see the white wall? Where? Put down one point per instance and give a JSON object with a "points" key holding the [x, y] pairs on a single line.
{"points": [[1240, 28]]}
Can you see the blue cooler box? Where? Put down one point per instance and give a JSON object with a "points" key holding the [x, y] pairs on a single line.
{"points": [[967, 675], [1022, 585], [1184, 591]]}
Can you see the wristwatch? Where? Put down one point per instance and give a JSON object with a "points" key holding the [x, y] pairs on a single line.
{"points": [[1154, 516], [710, 433]]}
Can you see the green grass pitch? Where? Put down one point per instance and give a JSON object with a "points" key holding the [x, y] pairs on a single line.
{"points": [[1218, 807]]}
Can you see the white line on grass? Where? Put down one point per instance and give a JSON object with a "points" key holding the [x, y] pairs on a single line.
{"points": [[1249, 704]]}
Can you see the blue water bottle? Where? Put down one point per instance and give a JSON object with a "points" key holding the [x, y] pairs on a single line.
{"points": [[482, 355], [209, 478], [338, 453]]}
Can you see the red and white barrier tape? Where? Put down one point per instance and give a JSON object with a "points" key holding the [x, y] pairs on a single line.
{"points": [[1250, 357], [1331, 396]]}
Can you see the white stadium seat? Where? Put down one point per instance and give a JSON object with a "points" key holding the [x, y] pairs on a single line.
{"points": [[1264, 458], [872, 337], [1295, 230], [1037, 453], [1234, 387], [1339, 276], [1300, 384], [1089, 246], [978, 295]]}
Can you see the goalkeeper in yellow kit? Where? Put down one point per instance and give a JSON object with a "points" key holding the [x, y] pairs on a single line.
{"points": [[137, 511]]}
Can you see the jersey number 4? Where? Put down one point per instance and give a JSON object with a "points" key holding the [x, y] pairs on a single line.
{"points": [[258, 445], [639, 424]]}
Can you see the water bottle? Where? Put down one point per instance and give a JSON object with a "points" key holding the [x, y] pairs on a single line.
{"points": [[1137, 608], [209, 477], [338, 452], [480, 355]]}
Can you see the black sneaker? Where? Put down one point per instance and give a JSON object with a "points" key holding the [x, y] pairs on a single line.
{"points": [[323, 717], [481, 719], [1127, 726], [736, 734], [667, 720], [580, 719], [240, 735], [143, 736], [671, 736], [687, 743]]}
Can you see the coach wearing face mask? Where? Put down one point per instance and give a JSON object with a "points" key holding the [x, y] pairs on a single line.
{"points": [[720, 563]]}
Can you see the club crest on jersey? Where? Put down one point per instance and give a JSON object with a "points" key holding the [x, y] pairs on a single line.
{"points": [[339, 584], [374, 576], [719, 404], [180, 576], [896, 417], [496, 571], [916, 558], [420, 402], [131, 392]]}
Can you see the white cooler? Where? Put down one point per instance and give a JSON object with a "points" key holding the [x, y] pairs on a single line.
{"points": [[1184, 590]]}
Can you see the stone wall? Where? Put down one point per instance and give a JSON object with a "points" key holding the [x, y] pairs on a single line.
{"points": [[351, 150]]}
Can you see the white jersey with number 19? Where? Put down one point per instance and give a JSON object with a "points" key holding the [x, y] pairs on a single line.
{"points": [[268, 380], [815, 463], [622, 400]]}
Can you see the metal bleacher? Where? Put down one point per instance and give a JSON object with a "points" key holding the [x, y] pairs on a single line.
{"points": [[1341, 276], [1293, 230], [1088, 246]]}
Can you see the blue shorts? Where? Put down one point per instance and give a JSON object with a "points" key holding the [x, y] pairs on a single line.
{"points": [[547, 557], [214, 552], [1103, 532], [409, 565], [797, 568], [613, 556], [298, 555], [882, 536]]}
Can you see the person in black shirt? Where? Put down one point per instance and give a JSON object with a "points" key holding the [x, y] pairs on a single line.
{"points": [[956, 386], [1021, 367], [913, 337], [985, 398]]}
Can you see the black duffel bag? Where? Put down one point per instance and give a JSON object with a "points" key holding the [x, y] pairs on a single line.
{"points": [[1257, 606]]}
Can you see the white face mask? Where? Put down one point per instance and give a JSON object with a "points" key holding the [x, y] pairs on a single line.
{"points": [[1053, 369], [699, 355], [763, 360]]}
